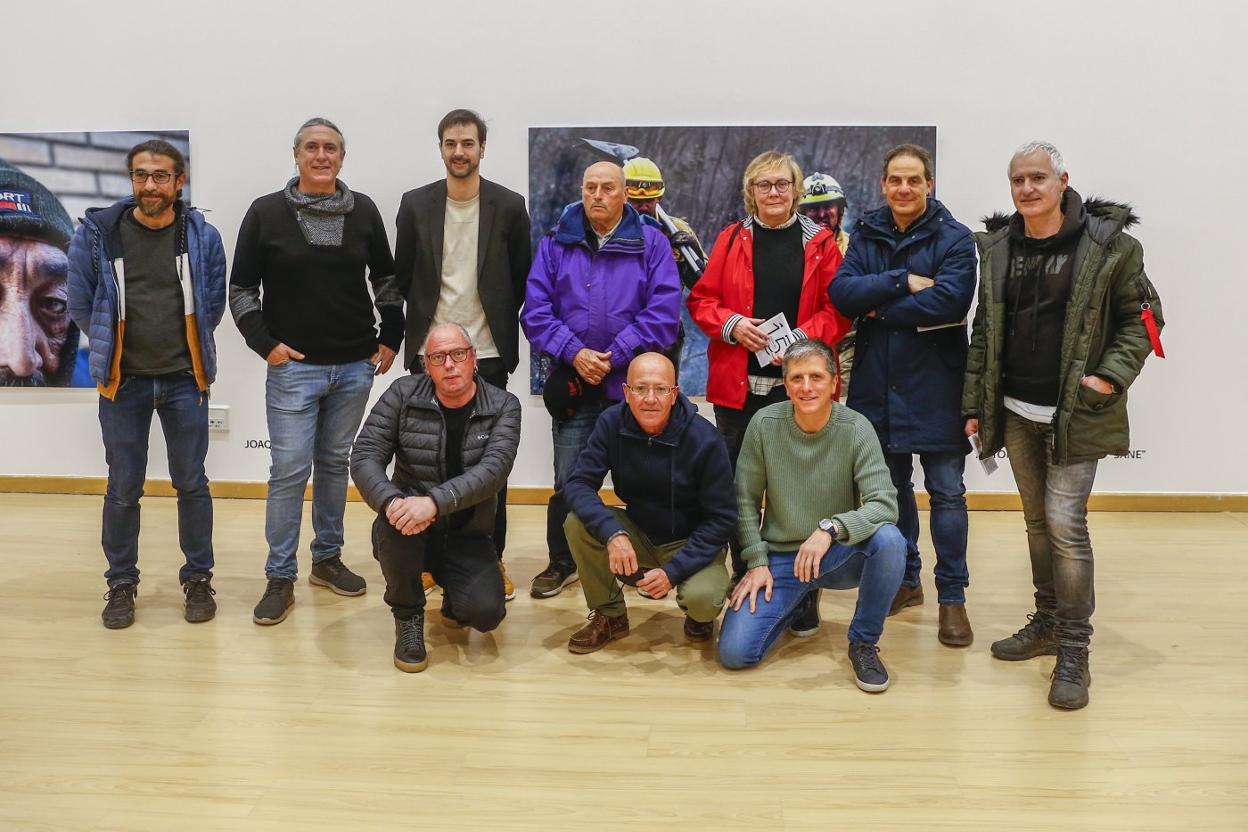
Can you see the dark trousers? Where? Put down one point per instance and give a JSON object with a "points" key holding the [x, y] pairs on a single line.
{"points": [[492, 371], [1055, 510], [732, 424], [464, 565], [942, 477], [126, 422]]}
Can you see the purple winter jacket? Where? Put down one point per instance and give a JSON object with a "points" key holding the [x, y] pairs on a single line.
{"points": [[623, 298]]}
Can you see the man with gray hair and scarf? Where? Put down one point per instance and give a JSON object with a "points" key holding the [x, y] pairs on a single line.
{"points": [[299, 296], [38, 341]]}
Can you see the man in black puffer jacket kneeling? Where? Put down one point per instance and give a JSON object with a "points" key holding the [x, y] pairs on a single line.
{"points": [[453, 438]]}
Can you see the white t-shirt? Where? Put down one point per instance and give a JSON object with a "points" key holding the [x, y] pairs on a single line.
{"points": [[1042, 413], [459, 301]]}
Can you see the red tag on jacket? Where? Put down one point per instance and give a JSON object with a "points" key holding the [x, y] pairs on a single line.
{"points": [[1150, 324]]}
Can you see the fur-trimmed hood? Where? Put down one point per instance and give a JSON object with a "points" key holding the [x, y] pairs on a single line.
{"points": [[1109, 209]]}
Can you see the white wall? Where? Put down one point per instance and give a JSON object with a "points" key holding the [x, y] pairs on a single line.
{"points": [[1144, 101]]}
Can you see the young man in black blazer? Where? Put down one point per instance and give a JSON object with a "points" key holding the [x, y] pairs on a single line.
{"points": [[462, 254]]}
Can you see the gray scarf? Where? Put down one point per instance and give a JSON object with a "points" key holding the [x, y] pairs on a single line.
{"points": [[321, 216]]}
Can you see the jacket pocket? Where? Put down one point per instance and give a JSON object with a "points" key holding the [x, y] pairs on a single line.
{"points": [[1094, 399]]}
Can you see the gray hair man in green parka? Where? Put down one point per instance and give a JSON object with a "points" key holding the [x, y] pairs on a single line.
{"points": [[1065, 320]]}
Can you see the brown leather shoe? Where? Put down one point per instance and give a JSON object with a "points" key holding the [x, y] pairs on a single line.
{"points": [[907, 596], [600, 630], [698, 630], [955, 627]]}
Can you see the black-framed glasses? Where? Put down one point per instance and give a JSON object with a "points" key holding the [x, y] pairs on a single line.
{"points": [[780, 186], [644, 390], [160, 177], [459, 356]]}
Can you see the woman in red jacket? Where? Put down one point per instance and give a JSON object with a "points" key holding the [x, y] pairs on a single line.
{"points": [[774, 261]]}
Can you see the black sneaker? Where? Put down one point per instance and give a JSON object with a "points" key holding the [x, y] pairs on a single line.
{"points": [[805, 620], [198, 594], [869, 672], [332, 573], [119, 611], [1034, 639], [552, 580], [1071, 678], [275, 604], [409, 644]]}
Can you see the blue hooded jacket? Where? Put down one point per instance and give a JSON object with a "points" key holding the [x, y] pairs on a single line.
{"points": [[96, 292], [676, 486], [910, 356]]}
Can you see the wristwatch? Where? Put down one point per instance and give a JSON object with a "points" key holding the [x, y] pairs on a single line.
{"points": [[831, 527]]}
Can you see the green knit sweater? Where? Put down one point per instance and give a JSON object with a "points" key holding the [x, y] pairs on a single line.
{"points": [[838, 472]]}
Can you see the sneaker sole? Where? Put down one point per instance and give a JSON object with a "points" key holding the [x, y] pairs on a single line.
{"points": [[269, 622], [804, 633], [1044, 651], [315, 581], [118, 625], [410, 667], [509, 596], [571, 579], [199, 619], [870, 688]]}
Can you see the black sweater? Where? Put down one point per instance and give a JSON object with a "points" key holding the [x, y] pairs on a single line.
{"points": [[315, 297]]}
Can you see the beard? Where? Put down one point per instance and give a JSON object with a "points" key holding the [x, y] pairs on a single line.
{"points": [[155, 209], [36, 379], [472, 168]]}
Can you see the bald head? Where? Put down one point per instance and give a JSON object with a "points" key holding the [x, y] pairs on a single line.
{"points": [[654, 366], [603, 195]]}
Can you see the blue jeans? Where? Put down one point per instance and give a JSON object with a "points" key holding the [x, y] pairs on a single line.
{"points": [[942, 478], [126, 423], [314, 412], [873, 565], [570, 438], [1055, 509]]}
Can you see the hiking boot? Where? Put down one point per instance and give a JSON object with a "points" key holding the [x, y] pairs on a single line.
{"points": [[409, 644], [907, 596], [427, 582], [552, 580], [600, 630], [699, 630], [869, 672], [275, 604], [955, 627], [1071, 678], [119, 611], [198, 594], [448, 618], [332, 573], [1034, 639], [805, 621], [509, 589]]}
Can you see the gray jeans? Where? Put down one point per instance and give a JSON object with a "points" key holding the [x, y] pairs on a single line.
{"points": [[1055, 509]]}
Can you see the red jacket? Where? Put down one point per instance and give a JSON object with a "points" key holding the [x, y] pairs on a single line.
{"points": [[726, 292]]}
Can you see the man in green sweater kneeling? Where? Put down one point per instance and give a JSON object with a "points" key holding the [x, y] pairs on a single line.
{"points": [[811, 456]]}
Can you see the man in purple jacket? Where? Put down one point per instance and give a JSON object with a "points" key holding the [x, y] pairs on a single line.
{"points": [[603, 289]]}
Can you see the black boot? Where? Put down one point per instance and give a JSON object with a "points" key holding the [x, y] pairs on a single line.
{"points": [[409, 644], [1071, 678]]}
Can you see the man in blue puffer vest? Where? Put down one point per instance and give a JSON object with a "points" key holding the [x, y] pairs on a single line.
{"points": [[147, 286], [909, 278]]}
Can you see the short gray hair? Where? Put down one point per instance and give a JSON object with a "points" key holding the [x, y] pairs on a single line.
{"points": [[1048, 148], [460, 327], [806, 349], [317, 121]]}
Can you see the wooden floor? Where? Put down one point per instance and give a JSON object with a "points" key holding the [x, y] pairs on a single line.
{"points": [[308, 726]]}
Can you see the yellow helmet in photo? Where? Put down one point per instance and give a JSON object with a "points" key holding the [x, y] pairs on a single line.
{"points": [[643, 179], [819, 187]]}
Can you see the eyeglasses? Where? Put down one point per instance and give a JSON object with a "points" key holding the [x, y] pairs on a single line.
{"points": [[437, 359], [644, 390], [781, 186], [160, 177]]}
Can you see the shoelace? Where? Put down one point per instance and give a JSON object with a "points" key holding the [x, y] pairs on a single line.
{"points": [[411, 634], [276, 587], [1069, 667], [1035, 626], [115, 595], [199, 590], [869, 656], [334, 565]]}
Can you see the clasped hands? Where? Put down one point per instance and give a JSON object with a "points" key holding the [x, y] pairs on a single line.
{"points": [[412, 515]]}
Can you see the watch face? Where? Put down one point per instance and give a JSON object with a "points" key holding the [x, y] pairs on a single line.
{"points": [[826, 525]]}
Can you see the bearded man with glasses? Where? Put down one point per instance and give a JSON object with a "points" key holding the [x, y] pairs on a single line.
{"points": [[670, 467], [453, 438]]}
